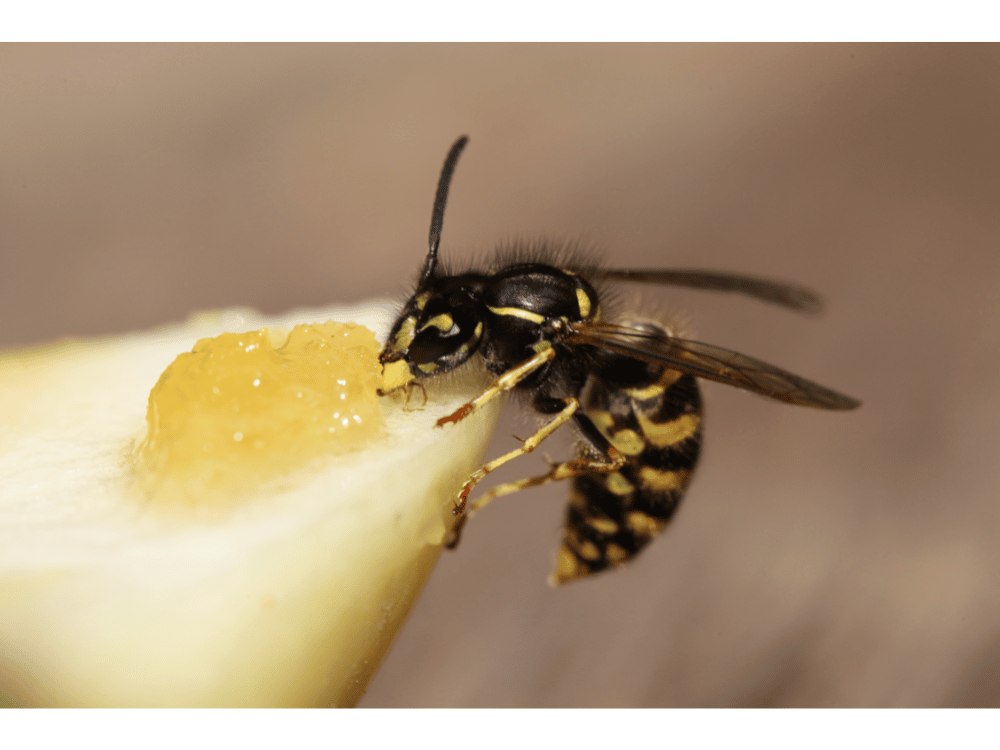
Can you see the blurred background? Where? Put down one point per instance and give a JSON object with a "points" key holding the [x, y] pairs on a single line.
{"points": [[819, 559]]}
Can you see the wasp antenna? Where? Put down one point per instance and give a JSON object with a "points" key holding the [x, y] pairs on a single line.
{"points": [[437, 215]]}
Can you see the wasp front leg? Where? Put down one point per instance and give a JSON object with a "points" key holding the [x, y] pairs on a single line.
{"points": [[504, 383]]}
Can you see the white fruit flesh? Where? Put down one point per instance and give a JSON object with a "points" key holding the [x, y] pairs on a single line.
{"points": [[287, 596]]}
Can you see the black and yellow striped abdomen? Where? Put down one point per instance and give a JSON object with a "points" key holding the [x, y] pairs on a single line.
{"points": [[656, 424]]}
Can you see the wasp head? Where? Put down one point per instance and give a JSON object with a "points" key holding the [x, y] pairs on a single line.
{"points": [[438, 329]]}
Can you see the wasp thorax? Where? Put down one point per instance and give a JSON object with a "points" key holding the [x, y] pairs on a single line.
{"points": [[541, 291]]}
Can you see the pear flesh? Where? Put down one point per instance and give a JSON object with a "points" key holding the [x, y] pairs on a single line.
{"points": [[290, 597]]}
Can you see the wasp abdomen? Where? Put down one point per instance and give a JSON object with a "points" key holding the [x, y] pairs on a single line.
{"points": [[656, 424]]}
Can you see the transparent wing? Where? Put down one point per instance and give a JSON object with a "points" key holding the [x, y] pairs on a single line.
{"points": [[776, 292], [712, 363]]}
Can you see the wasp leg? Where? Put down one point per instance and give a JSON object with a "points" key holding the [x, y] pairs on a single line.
{"points": [[409, 394], [405, 389], [607, 461], [558, 472], [571, 406], [504, 383]]}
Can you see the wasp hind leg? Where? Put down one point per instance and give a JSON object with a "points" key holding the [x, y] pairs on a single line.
{"points": [[606, 460]]}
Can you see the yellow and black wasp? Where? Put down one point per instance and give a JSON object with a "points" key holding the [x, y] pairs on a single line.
{"points": [[630, 388]]}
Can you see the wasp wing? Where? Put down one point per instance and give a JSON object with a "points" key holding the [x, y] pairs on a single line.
{"points": [[776, 292], [710, 362]]}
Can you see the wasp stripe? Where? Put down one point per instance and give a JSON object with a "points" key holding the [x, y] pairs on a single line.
{"points": [[665, 434], [518, 312], [443, 322], [655, 391], [663, 481], [643, 525], [404, 337], [618, 484], [602, 419], [602, 524], [628, 442]]}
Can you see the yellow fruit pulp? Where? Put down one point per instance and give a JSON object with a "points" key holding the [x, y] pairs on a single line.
{"points": [[239, 410]]}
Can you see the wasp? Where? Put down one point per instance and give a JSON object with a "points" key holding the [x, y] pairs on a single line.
{"points": [[630, 387]]}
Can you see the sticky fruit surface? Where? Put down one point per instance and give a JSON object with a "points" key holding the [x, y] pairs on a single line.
{"points": [[241, 409]]}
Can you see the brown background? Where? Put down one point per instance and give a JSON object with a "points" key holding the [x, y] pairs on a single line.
{"points": [[820, 559]]}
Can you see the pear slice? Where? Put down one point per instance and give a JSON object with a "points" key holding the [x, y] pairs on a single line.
{"points": [[287, 595]]}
